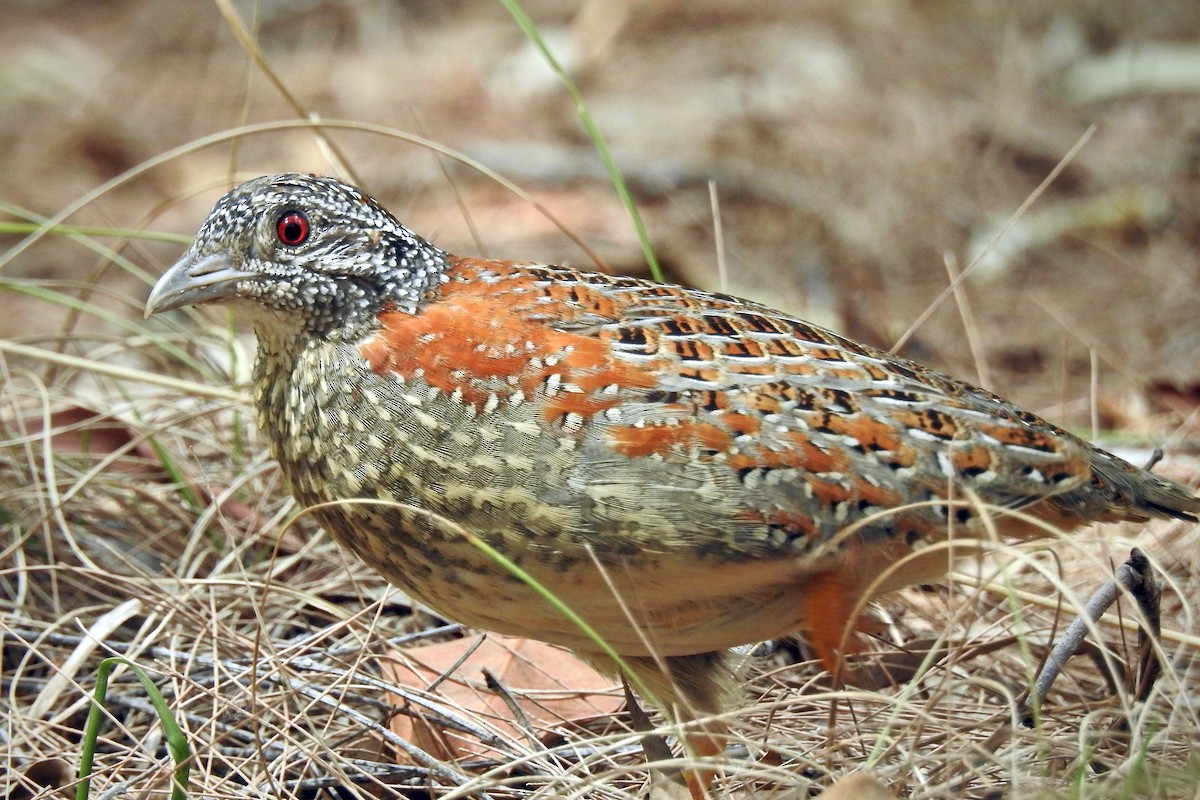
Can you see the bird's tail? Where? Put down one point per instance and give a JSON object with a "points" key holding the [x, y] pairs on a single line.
{"points": [[1121, 491]]}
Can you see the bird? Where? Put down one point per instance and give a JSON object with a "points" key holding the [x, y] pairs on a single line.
{"points": [[685, 470]]}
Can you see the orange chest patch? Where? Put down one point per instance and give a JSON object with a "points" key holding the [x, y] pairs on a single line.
{"points": [[480, 340]]}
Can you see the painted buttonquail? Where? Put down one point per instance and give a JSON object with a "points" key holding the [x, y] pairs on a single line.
{"points": [[686, 470]]}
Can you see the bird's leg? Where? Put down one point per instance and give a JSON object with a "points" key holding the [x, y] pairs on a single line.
{"points": [[830, 610], [689, 690], [705, 743], [700, 744]]}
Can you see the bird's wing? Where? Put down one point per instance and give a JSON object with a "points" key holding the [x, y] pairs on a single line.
{"points": [[775, 392]]}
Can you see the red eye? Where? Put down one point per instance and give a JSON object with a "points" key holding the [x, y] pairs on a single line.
{"points": [[292, 228]]}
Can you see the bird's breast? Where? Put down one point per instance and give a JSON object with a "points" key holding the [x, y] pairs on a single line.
{"points": [[414, 480]]}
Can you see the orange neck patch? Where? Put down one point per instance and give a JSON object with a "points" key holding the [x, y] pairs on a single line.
{"points": [[493, 336]]}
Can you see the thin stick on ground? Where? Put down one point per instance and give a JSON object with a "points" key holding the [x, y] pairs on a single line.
{"points": [[1133, 576]]}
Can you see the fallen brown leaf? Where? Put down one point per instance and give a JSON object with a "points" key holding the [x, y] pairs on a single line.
{"points": [[551, 687]]}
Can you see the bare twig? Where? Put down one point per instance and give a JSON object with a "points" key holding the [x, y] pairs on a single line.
{"points": [[1133, 576]]}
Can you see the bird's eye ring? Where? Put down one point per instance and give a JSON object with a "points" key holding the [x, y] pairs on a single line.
{"points": [[292, 228]]}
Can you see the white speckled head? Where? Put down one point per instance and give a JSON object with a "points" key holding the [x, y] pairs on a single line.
{"points": [[302, 252]]}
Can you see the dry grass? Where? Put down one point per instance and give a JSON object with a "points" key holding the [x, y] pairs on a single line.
{"points": [[144, 521]]}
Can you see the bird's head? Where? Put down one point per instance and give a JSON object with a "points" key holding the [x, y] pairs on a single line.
{"points": [[301, 254]]}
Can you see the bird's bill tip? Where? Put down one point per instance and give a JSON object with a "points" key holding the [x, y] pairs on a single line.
{"points": [[195, 279]]}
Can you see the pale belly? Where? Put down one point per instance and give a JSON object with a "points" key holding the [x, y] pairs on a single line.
{"points": [[643, 604]]}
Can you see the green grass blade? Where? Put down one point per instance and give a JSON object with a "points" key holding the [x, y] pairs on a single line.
{"points": [[177, 743], [589, 124]]}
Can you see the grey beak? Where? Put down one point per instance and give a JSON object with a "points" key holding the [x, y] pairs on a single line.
{"points": [[195, 280]]}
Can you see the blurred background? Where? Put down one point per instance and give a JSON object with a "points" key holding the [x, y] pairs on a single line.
{"points": [[859, 153]]}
